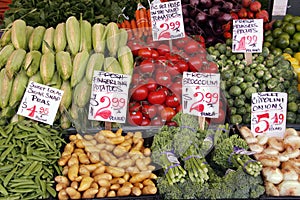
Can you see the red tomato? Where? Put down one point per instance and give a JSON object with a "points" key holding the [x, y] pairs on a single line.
{"points": [[151, 84], [145, 121], [211, 67], [135, 118], [136, 78], [178, 108], [163, 49], [164, 89], [145, 53], [172, 101], [191, 47], [140, 93], [176, 88], [173, 70], [163, 78], [182, 66], [172, 57], [134, 106], [180, 43], [149, 110], [157, 97], [167, 113], [154, 53], [157, 121], [171, 123], [195, 64], [220, 119], [146, 66], [135, 47]]}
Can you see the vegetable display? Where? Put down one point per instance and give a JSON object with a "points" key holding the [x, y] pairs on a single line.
{"points": [[63, 57], [29, 153], [106, 164], [198, 163], [267, 72], [280, 160]]}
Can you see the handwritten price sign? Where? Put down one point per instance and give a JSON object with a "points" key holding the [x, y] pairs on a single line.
{"points": [[167, 20], [40, 102], [268, 114], [109, 97], [201, 94], [247, 35]]}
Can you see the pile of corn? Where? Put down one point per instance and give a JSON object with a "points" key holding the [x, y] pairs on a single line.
{"points": [[63, 57], [295, 62]]}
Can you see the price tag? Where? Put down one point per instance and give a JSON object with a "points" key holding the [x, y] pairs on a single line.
{"points": [[268, 113], [279, 7], [247, 35], [109, 97], [167, 20], [40, 102], [201, 94]]}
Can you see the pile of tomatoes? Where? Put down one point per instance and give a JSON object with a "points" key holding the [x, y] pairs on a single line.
{"points": [[156, 87]]}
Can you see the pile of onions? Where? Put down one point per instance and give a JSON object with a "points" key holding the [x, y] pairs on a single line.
{"points": [[208, 17]]}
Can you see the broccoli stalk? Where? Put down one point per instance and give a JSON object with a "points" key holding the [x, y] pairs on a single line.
{"points": [[232, 152]]}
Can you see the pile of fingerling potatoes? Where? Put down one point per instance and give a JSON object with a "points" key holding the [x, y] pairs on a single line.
{"points": [[105, 164]]}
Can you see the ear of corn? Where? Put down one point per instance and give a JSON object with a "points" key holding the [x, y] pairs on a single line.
{"points": [[66, 99], [126, 60], [47, 67], [29, 30], [74, 111], [95, 62], [82, 93], [5, 88], [31, 62], [36, 78], [86, 35], [36, 38], [64, 64], [14, 62], [47, 43], [6, 37], [73, 34], [55, 81], [60, 40], [123, 37], [112, 65], [79, 67], [112, 38], [98, 37], [5, 52], [18, 88], [65, 123], [18, 36]]}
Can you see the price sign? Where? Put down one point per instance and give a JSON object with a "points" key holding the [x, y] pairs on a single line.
{"points": [[40, 102], [268, 113], [109, 97], [201, 94], [167, 20], [247, 35]]}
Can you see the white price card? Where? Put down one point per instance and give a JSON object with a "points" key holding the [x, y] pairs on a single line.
{"points": [[109, 97], [167, 20], [40, 102], [201, 94], [268, 113], [247, 35]]}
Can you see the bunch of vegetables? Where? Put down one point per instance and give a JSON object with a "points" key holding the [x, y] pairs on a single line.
{"points": [[279, 157], [105, 164], [28, 153], [64, 57], [155, 91], [267, 72], [209, 175]]}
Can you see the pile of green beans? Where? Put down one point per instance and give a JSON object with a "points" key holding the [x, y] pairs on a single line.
{"points": [[28, 160]]}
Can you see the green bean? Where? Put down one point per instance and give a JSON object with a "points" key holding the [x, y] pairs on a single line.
{"points": [[3, 133], [51, 191], [6, 152], [37, 158], [26, 128], [3, 190], [22, 190], [29, 170], [29, 182], [9, 176], [6, 167], [11, 197]]}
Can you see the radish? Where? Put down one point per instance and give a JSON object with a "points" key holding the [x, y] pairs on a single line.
{"points": [[246, 3], [262, 14], [255, 6]]}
